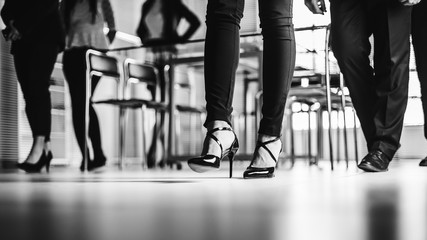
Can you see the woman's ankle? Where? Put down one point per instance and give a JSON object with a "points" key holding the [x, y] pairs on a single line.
{"points": [[262, 158], [37, 149], [217, 124], [225, 138], [265, 138]]}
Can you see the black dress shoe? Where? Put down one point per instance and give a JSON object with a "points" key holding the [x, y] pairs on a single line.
{"points": [[375, 161], [423, 162]]}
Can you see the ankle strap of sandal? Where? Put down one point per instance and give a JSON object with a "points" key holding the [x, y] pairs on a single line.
{"points": [[210, 134], [263, 145]]}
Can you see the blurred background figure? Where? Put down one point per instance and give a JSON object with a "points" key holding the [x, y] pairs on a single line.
{"points": [[158, 29], [84, 24], [419, 41], [35, 29]]}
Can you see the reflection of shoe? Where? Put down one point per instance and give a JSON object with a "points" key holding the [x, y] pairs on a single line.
{"points": [[44, 161], [268, 172], [96, 164], [423, 162], [211, 162], [375, 161]]}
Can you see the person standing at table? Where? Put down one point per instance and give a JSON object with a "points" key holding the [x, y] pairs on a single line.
{"points": [[158, 31], [35, 29], [84, 24], [221, 61], [379, 93]]}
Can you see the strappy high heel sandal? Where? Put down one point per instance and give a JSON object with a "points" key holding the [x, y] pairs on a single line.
{"points": [[254, 172], [211, 162]]}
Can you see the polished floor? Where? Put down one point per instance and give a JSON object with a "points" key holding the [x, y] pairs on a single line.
{"points": [[306, 202]]}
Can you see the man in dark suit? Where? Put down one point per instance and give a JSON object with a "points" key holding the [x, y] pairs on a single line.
{"points": [[419, 42], [379, 93]]}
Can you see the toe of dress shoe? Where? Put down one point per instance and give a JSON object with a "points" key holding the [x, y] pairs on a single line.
{"points": [[374, 162], [369, 167], [423, 162]]}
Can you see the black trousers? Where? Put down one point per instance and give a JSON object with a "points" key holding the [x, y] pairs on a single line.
{"points": [[419, 42], [222, 57], [34, 64], [379, 95], [74, 67]]}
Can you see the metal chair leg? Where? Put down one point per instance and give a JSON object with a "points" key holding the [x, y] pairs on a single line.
{"points": [[122, 136], [356, 147], [309, 139], [319, 136], [345, 138], [292, 135], [338, 156], [144, 138], [328, 95]]}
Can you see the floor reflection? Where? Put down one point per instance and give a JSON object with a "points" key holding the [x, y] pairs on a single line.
{"points": [[299, 204], [382, 214]]}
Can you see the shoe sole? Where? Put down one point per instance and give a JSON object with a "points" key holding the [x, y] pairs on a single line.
{"points": [[370, 168], [256, 176], [201, 169], [98, 169]]}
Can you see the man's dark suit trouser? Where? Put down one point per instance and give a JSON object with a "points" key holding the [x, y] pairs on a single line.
{"points": [[419, 41], [379, 95]]}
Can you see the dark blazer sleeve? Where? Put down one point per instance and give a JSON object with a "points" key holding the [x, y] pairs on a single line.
{"points": [[38, 21], [34, 15], [8, 11]]}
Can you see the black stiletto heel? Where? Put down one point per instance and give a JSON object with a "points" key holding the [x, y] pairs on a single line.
{"points": [[204, 163], [253, 172], [44, 161], [49, 160]]}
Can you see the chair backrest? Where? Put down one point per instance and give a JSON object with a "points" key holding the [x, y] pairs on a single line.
{"points": [[100, 64], [135, 72]]}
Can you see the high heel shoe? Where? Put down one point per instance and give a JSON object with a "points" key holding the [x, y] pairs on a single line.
{"points": [[96, 164], [268, 172], [204, 163], [44, 161]]}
